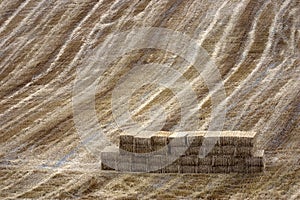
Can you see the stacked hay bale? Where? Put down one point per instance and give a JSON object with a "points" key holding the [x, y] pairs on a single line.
{"points": [[185, 152]]}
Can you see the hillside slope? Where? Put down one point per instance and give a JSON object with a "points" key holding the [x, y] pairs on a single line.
{"points": [[254, 44]]}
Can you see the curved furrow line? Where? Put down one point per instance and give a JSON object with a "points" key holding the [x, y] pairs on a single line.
{"points": [[9, 175], [5, 68], [248, 44], [73, 62], [212, 25], [292, 89], [8, 8], [53, 64], [63, 187], [35, 128], [233, 19], [15, 13], [41, 180], [34, 32], [38, 48], [32, 16], [16, 181], [264, 55], [262, 89], [29, 99], [201, 104], [50, 138], [7, 130]]}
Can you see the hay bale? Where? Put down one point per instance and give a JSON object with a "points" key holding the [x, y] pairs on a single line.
{"points": [[141, 141], [195, 138], [245, 138], [172, 168], [219, 150], [145, 149], [220, 169], [124, 163], [160, 150], [160, 138], [203, 169], [143, 138], [126, 138], [254, 161], [192, 150], [205, 161], [108, 158], [187, 169], [124, 166], [243, 152], [254, 169], [139, 167], [140, 158], [156, 163], [139, 163], [178, 139], [188, 161], [224, 160], [239, 168], [232, 138], [177, 151], [126, 148], [106, 167]]}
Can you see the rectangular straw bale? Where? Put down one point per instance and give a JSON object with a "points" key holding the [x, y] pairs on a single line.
{"points": [[245, 138], [156, 163], [108, 163], [224, 160], [256, 160], [243, 152], [195, 138], [178, 139], [126, 138], [140, 158], [219, 150], [126, 148], [139, 163], [205, 161], [139, 167], [204, 169], [220, 169], [239, 168], [177, 151], [108, 158], [142, 141], [172, 168], [227, 141], [170, 164], [254, 169], [228, 150], [192, 150], [188, 160], [106, 167], [145, 149], [124, 163], [124, 166], [236, 138], [187, 169], [161, 138], [143, 138], [160, 150]]}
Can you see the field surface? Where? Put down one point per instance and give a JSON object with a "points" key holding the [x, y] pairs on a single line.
{"points": [[45, 43]]}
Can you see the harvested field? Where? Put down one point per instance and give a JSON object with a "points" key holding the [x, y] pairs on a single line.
{"points": [[254, 44]]}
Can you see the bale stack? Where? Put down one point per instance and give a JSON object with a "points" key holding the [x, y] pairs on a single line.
{"points": [[185, 152]]}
